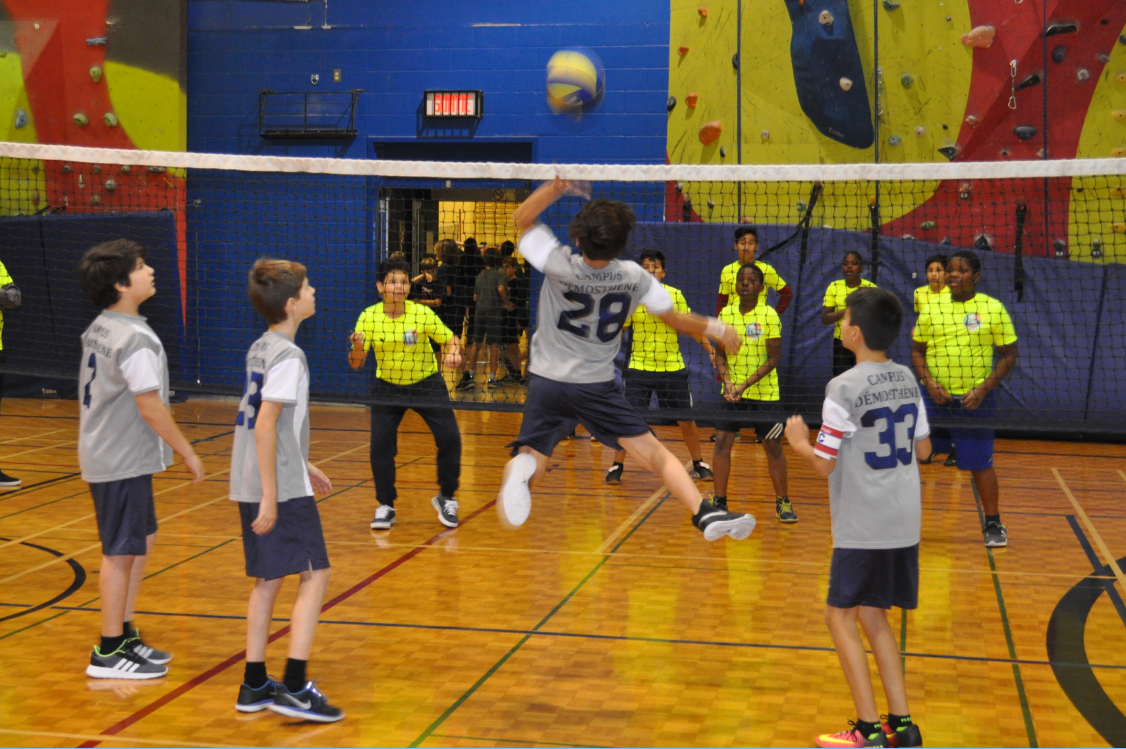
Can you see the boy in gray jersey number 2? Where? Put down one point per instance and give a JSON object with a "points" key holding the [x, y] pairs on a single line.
{"points": [[873, 422], [584, 302], [125, 430], [273, 482]]}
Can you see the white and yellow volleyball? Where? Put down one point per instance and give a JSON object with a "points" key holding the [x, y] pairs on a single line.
{"points": [[576, 80]]}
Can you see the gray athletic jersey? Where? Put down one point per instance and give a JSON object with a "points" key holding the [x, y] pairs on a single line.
{"points": [[121, 358], [872, 417], [582, 309], [276, 370]]}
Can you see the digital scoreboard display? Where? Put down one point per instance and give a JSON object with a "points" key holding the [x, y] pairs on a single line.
{"points": [[460, 104]]}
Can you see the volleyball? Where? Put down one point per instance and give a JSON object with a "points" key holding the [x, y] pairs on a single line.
{"points": [[576, 80]]}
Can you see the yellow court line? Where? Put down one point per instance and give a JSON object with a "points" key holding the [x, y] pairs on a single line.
{"points": [[31, 436], [1091, 529], [37, 449], [102, 737], [661, 490], [65, 557], [1123, 475]]}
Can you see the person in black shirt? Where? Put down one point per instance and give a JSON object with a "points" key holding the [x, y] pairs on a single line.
{"points": [[470, 266], [451, 312]]}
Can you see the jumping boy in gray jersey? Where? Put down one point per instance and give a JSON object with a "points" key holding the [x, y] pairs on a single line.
{"points": [[873, 425], [273, 482], [583, 304], [125, 429]]}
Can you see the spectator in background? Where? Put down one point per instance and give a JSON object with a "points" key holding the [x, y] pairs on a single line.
{"points": [[452, 311], [469, 268], [424, 287], [488, 329], [515, 296], [10, 298]]}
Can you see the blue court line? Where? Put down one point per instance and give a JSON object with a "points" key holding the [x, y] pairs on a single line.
{"points": [[1108, 582]]}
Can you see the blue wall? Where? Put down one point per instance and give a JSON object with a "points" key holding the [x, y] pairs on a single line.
{"points": [[394, 51]]}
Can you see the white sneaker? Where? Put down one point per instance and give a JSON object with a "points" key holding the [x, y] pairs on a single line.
{"points": [[514, 501], [384, 518]]}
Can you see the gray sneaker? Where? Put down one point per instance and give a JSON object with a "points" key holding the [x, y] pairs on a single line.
{"points": [[447, 510], [152, 655], [123, 663], [995, 534], [384, 518]]}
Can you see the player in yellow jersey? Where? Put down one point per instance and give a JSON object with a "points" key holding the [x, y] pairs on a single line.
{"points": [[746, 244], [953, 350], [399, 332], [656, 367], [924, 295], [834, 310], [750, 385]]}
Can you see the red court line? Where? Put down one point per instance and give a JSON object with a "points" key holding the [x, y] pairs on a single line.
{"points": [[187, 686]]}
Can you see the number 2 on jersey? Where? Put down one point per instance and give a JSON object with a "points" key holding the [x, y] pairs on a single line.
{"points": [[92, 364], [254, 402], [609, 320], [887, 435]]}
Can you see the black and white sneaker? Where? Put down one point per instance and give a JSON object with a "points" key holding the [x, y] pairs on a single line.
{"points": [[6, 480], [308, 704], [996, 535], [614, 475], [150, 654], [701, 471], [715, 523], [466, 383], [123, 663], [251, 700], [384, 518], [514, 501], [447, 510]]}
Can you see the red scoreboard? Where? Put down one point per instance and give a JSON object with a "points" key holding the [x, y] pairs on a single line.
{"points": [[455, 104]]}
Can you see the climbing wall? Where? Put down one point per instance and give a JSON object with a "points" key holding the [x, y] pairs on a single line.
{"points": [[965, 80]]}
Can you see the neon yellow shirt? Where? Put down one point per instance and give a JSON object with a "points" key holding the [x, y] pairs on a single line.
{"points": [[757, 326], [770, 278], [924, 296], [402, 344], [655, 345], [5, 279], [835, 297], [960, 338]]}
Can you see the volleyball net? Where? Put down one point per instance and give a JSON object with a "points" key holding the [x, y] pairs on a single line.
{"points": [[1050, 235]]}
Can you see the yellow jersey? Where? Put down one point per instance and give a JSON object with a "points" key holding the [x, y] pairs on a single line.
{"points": [[960, 338], [5, 279], [656, 347], [757, 327], [835, 297], [924, 296], [770, 280], [403, 355]]}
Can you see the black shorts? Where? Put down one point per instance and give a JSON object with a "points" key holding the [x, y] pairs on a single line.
{"points": [[671, 388], [126, 515], [553, 408], [880, 578], [771, 414], [295, 544], [511, 329], [488, 326]]}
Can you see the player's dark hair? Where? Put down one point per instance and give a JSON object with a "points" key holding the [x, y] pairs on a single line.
{"points": [[859, 257], [470, 246], [655, 255], [754, 269], [272, 283], [602, 228], [448, 251], [392, 265], [743, 231], [107, 264], [427, 263], [878, 314], [492, 257], [971, 258], [937, 257], [507, 248]]}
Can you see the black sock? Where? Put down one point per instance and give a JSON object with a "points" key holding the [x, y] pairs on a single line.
{"points": [[867, 729], [255, 676], [716, 500], [993, 519], [111, 644], [697, 462], [618, 464], [129, 631], [898, 721], [294, 674]]}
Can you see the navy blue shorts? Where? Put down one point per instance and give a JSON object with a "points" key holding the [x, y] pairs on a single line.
{"points": [[880, 578], [554, 408], [974, 446], [771, 414], [126, 515], [671, 388], [295, 544]]}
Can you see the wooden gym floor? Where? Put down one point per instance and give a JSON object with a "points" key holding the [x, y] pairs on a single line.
{"points": [[605, 620]]}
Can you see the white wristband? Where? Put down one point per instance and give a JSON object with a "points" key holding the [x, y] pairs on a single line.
{"points": [[715, 328]]}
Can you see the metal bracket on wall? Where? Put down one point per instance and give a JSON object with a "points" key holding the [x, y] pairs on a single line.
{"points": [[307, 115]]}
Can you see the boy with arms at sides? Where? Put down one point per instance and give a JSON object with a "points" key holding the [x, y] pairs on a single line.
{"points": [[273, 482], [400, 332], [750, 385], [656, 366], [124, 435], [746, 245], [852, 265], [873, 421], [583, 304], [514, 294], [488, 327], [924, 295]]}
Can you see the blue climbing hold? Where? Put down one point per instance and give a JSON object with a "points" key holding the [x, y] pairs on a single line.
{"points": [[21, 119], [821, 55]]}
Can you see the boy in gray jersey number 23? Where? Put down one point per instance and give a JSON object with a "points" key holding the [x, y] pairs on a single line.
{"points": [[584, 302], [873, 422]]}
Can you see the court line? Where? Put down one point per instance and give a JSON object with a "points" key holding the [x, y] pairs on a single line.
{"points": [[31, 436], [658, 495], [1112, 561], [38, 449], [1107, 582], [506, 740], [90, 737]]}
